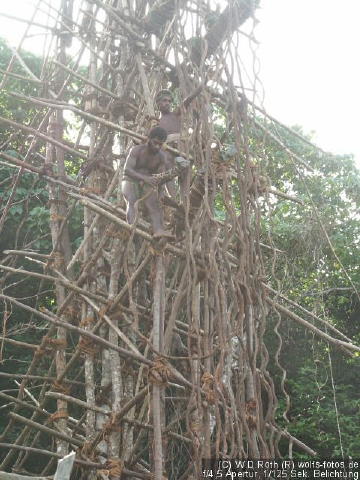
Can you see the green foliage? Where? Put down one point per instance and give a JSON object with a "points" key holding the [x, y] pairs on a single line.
{"points": [[26, 227], [309, 273], [313, 415], [11, 107], [28, 211]]}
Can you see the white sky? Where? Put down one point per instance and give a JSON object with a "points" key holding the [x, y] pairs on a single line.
{"points": [[309, 57]]}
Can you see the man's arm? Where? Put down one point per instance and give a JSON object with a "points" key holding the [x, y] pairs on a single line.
{"points": [[189, 99], [166, 165], [193, 95], [130, 168]]}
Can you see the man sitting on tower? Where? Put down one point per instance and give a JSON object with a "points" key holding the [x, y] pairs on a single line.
{"points": [[142, 162]]}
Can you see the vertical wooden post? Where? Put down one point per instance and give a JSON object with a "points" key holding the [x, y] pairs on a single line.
{"points": [[60, 234], [206, 451], [158, 404], [92, 421]]}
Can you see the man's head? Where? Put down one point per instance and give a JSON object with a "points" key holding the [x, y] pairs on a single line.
{"points": [[157, 136], [164, 100]]}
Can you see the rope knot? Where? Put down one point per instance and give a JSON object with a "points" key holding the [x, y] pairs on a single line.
{"points": [[61, 387], [56, 343], [250, 410], [87, 346], [115, 467], [208, 387], [159, 374], [61, 413], [112, 425]]}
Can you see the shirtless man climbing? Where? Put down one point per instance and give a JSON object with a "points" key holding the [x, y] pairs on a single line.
{"points": [[171, 120], [138, 182]]}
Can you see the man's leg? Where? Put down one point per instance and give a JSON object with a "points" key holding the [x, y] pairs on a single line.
{"points": [[156, 215], [171, 185], [129, 191]]}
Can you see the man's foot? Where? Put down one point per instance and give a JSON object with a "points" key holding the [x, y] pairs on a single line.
{"points": [[163, 234]]}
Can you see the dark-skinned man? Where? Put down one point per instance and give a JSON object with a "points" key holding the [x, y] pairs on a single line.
{"points": [[142, 162], [170, 120]]}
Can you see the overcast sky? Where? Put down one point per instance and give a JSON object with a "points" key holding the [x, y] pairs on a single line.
{"points": [[309, 57]]}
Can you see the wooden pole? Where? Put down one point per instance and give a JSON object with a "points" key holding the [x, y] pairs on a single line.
{"points": [[157, 389]]}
